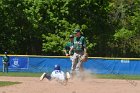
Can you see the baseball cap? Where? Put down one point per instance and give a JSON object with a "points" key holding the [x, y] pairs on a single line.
{"points": [[56, 67], [76, 30], [71, 36], [5, 52]]}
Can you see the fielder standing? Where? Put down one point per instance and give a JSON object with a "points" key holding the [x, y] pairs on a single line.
{"points": [[5, 60], [80, 51], [68, 46]]}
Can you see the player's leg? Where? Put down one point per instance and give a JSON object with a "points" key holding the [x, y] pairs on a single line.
{"points": [[74, 62], [81, 70], [45, 75], [79, 63], [48, 76], [67, 76], [73, 67], [79, 66], [42, 76], [3, 67], [7, 67], [64, 78]]}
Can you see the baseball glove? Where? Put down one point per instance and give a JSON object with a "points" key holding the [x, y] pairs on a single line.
{"points": [[84, 58]]}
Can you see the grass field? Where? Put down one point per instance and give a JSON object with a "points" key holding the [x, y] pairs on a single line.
{"points": [[17, 74], [7, 83], [113, 76], [102, 76], [21, 74]]}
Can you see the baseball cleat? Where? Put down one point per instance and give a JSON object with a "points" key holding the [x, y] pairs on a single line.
{"points": [[42, 76], [67, 75]]}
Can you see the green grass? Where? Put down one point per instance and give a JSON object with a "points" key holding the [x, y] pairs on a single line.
{"points": [[8, 83], [113, 76], [16, 74], [102, 76], [21, 74]]}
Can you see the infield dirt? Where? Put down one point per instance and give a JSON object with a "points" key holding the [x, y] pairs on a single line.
{"points": [[87, 85]]}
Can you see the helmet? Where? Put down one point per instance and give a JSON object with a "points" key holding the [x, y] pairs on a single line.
{"points": [[71, 36], [5, 52], [76, 31], [56, 67]]}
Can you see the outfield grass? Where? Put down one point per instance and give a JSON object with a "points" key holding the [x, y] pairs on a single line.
{"points": [[102, 76], [21, 74], [16, 74], [113, 76], [8, 83]]}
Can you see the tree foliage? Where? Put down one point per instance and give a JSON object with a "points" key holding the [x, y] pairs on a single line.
{"points": [[42, 27]]}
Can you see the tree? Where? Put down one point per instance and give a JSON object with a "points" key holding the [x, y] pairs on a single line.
{"points": [[125, 17]]}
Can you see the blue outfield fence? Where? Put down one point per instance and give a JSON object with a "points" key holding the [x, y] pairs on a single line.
{"points": [[94, 65]]}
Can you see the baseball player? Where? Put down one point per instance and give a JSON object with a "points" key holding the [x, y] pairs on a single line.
{"points": [[56, 74], [80, 52], [5, 60], [68, 46]]}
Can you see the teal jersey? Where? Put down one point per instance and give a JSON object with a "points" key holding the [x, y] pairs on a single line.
{"points": [[5, 58], [79, 43], [68, 46]]}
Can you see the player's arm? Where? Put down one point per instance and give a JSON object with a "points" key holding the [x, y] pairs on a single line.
{"points": [[84, 46], [3, 60], [71, 49], [85, 50], [66, 49], [85, 56], [66, 53], [53, 75]]}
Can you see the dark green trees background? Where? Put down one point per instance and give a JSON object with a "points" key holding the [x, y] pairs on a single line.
{"points": [[42, 27]]}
